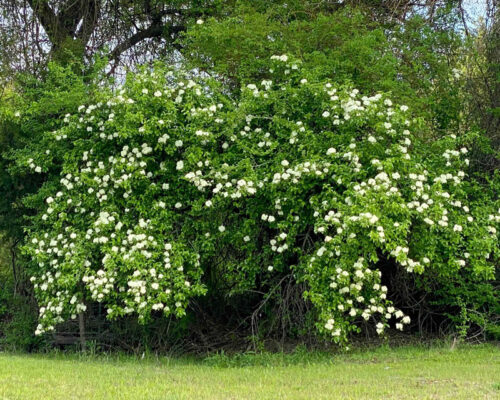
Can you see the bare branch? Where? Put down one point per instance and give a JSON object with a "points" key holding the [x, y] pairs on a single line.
{"points": [[154, 31]]}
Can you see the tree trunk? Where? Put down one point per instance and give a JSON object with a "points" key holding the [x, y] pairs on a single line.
{"points": [[14, 266], [81, 325]]}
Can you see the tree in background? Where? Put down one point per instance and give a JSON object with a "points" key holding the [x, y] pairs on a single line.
{"points": [[38, 30]]}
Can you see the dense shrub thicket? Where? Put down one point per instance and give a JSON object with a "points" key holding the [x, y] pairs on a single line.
{"points": [[169, 177], [302, 229]]}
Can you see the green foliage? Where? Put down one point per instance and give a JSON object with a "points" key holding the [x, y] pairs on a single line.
{"points": [[166, 174], [27, 110], [470, 303], [430, 70], [343, 46], [416, 62], [17, 317], [18, 322]]}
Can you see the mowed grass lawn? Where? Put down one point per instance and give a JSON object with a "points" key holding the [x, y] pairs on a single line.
{"points": [[468, 372]]}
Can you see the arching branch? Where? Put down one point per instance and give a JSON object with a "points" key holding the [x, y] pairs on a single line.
{"points": [[156, 30]]}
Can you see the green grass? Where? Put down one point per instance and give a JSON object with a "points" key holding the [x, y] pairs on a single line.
{"points": [[467, 372]]}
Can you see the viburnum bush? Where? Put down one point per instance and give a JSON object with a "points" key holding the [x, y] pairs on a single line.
{"points": [[295, 176]]}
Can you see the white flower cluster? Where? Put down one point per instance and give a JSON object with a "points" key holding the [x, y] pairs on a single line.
{"points": [[101, 284]]}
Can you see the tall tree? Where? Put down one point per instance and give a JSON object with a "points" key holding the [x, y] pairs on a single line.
{"points": [[43, 29]]}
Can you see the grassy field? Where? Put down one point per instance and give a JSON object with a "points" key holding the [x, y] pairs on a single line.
{"points": [[468, 372]]}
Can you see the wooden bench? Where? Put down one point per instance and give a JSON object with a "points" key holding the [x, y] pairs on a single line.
{"points": [[62, 339]]}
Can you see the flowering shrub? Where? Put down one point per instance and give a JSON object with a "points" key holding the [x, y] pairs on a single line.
{"points": [[296, 175]]}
